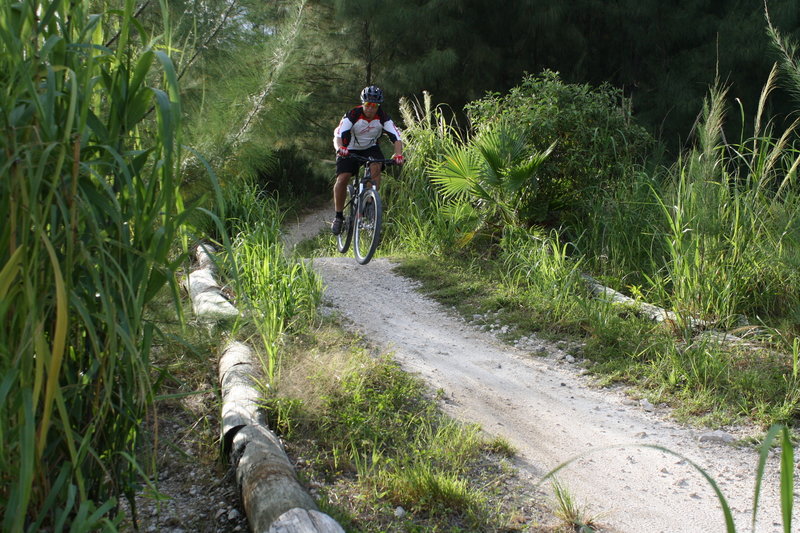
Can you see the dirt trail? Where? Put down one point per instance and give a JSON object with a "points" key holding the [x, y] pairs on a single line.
{"points": [[550, 413]]}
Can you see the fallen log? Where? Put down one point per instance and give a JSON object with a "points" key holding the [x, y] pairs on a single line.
{"points": [[273, 499], [652, 312], [240, 395], [269, 487], [207, 298], [657, 314], [303, 521]]}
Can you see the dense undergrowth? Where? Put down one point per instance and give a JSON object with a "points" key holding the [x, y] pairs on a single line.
{"points": [[713, 237], [548, 182], [94, 230]]}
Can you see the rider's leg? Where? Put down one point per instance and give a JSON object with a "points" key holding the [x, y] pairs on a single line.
{"points": [[339, 195], [375, 170], [340, 191]]}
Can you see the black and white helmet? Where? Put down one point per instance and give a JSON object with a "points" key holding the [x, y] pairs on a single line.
{"points": [[372, 94]]}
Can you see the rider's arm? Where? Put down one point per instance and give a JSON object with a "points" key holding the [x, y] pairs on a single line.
{"points": [[343, 132], [389, 128], [341, 141], [337, 143]]}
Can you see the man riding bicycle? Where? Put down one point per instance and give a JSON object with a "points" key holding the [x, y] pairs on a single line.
{"points": [[358, 133]]}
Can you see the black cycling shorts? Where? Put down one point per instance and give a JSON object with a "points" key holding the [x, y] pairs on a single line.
{"points": [[351, 166]]}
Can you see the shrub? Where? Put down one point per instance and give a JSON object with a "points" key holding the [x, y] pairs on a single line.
{"points": [[597, 141]]}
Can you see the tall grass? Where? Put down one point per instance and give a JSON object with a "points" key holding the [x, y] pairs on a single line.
{"points": [[278, 293], [537, 264], [717, 235], [732, 233], [418, 220], [91, 210]]}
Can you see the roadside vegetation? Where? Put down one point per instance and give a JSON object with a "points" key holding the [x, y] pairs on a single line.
{"points": [[713, 238], [133, 130], [371, 442], [93, 234]]}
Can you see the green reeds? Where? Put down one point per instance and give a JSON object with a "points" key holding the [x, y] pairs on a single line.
{"points": [[715, 236], [732, 234], [279, 293], [88, 194], [417, 219]]}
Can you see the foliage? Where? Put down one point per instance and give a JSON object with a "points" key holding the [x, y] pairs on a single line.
{"points": [[696, 238], [413, 206], [279, 295], [541, 265], [661, 56], [702, 379], [374, 434], [247, 72], [597, 143], [713, 237], [495, 175], [90, 146], [242, 102]]}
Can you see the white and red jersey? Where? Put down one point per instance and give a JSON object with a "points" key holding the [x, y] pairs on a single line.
{"points": [[359, 133]]}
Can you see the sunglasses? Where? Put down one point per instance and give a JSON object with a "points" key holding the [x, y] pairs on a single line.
{"points": [[370, 104]]}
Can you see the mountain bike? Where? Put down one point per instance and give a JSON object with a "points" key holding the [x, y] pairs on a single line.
{"points": [[363, 213]]}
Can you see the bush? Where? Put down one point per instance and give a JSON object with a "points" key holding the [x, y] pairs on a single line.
{"points": [[597, 141]]}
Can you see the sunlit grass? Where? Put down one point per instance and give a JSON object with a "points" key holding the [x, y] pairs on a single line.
{"points": [[277, 293], [359, 416], [570, 511]]}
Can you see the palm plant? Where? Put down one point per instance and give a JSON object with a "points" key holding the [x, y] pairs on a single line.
{"points": [[493, 174]]}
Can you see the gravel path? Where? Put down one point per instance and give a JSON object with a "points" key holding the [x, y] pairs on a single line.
{"points": [[550, 412]]}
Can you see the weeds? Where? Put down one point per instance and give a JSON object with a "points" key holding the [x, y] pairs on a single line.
{"points": [[278, 294], [370, 421], [569, 511], [91, 143]]}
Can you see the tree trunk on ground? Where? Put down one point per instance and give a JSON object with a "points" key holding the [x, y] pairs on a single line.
{"points": [[274, 500]]}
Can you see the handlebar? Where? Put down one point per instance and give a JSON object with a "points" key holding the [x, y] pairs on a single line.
{"points": [[370, 159]]}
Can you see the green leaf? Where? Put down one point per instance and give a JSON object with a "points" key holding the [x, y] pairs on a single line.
{"points": [[522, 174], [10, 271], [787, 480], [456, 174], [141, 70], [762, 461]]}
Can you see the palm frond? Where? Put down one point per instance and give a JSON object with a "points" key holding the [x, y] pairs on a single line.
{"points": [[524, 174], [457, 174], [500, 147]]}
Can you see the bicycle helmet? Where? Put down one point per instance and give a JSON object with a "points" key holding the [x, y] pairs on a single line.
{"points": [[372, 94]]}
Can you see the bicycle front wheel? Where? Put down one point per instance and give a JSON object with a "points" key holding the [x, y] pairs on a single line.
{"points": [[346, 235], [368, 226]]}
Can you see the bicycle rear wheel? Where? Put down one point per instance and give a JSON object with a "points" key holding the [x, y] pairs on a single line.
{"points": [[368, 226], [346, 235]]}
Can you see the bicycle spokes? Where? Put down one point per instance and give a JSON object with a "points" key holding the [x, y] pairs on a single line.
{"points": [[368, 227]]}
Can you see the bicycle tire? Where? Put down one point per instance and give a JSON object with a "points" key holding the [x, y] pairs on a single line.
{"points": [[346, 235], [368, 226]]}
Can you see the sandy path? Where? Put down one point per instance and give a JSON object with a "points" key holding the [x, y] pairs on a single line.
{"points": [[551, 414]]}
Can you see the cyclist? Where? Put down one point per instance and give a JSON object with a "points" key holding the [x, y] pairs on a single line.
{"points": [[358, 133]]}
